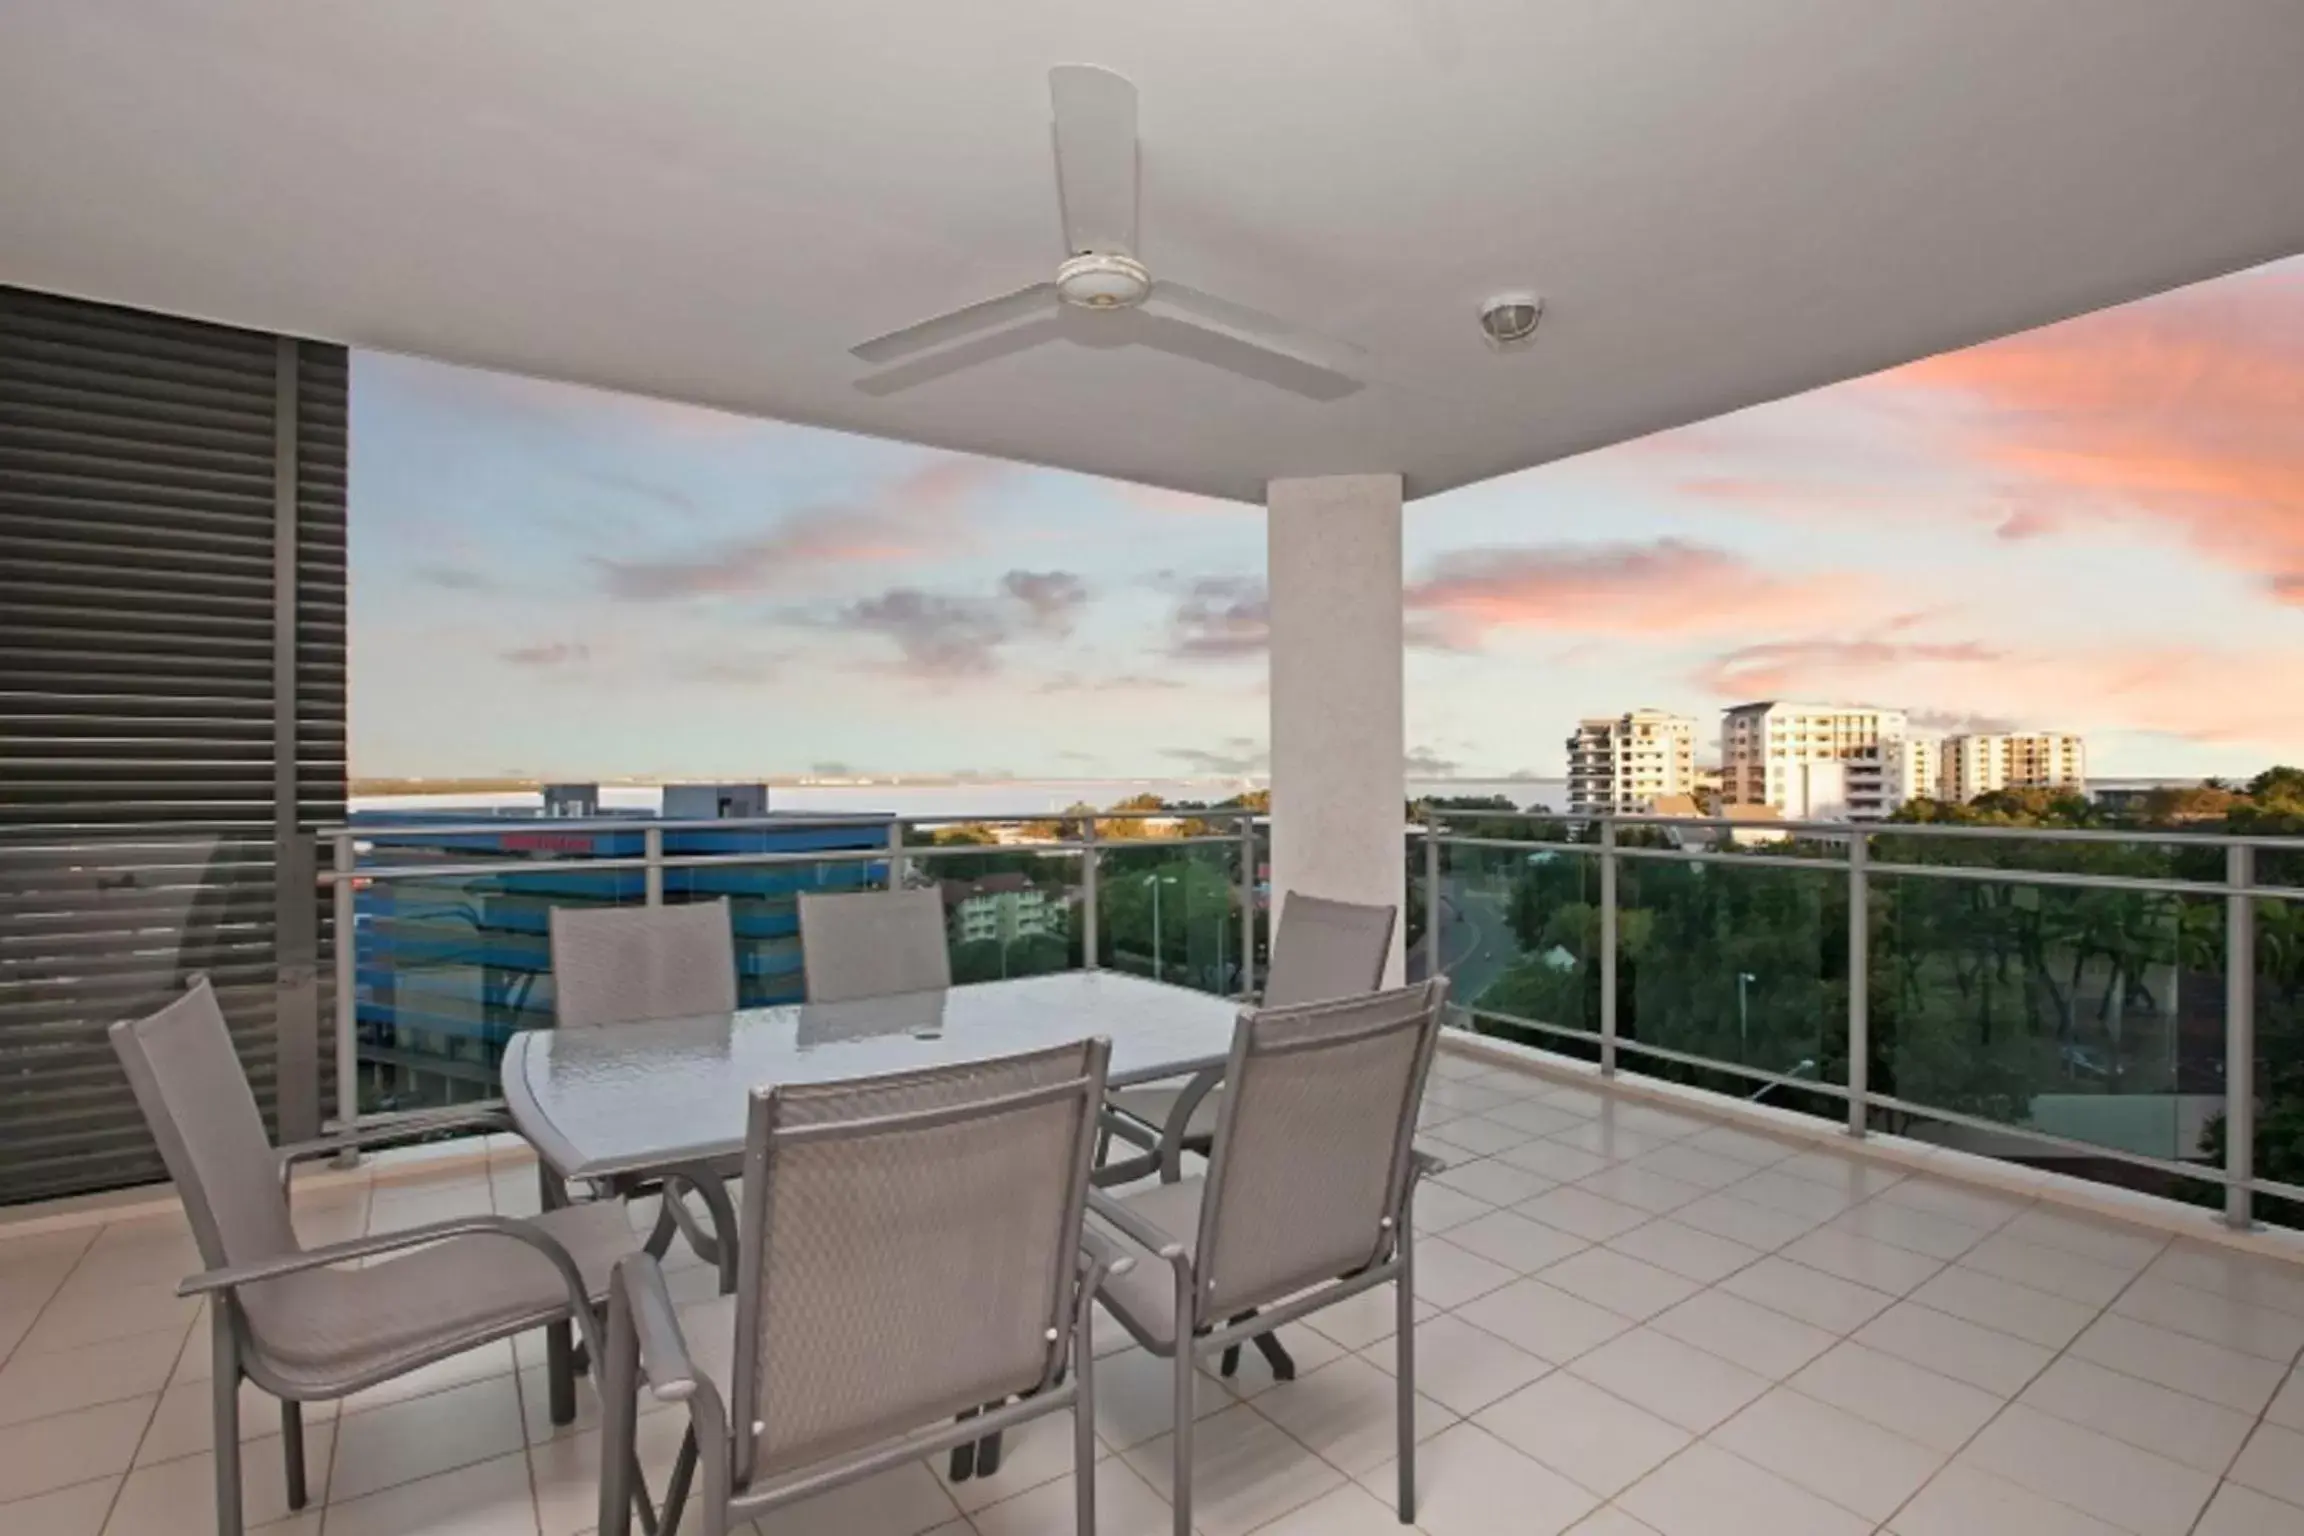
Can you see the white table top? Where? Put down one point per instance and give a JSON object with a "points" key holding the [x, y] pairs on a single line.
{"points": [[612, 1099]]}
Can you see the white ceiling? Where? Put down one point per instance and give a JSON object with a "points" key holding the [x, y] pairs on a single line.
{"points": [[1723, 201]]}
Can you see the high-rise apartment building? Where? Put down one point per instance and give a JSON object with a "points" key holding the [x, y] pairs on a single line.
{"points": [[1625, 762], [1922, 763], [1819, 762], [1979, 762]]}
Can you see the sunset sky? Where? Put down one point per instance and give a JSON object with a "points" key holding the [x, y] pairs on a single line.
{"points": [[2097, 526]]}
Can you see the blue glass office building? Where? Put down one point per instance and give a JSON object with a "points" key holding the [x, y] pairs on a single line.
{"points": [[449, 967]]}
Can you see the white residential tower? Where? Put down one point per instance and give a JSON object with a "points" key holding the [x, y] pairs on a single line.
{"points": [[1626, 762]]}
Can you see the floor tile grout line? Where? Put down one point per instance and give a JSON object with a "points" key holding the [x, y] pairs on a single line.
{"points": [[2100, 1310], [128, 1471], [2263, 1417], [8, 1355], [2012, 1400], [1850, 1338], [62, 1285], [1946, 1461], [2022, 1207]]}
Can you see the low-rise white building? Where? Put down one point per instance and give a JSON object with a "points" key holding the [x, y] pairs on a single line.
{"points": [[1004, 907]]}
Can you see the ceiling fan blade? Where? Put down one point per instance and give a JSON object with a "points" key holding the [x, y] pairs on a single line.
{"points": [[1095, 136], [1325, 353], [1172, 329], [1019, 308], [928, 367], [1244, 323]]}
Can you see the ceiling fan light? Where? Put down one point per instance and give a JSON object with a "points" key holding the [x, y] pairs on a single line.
{"points": [[1103, 280]]}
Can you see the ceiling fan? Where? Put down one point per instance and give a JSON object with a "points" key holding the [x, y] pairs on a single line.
{"points": [[1102, 293]]}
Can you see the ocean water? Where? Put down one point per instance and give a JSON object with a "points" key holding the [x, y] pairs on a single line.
{"points": [[973, 800]]}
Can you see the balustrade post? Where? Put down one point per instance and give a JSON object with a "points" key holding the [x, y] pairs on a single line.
{"points": [[1088, 896], [1859, 981], [2239, 1036], [1608, 946], [1435, 952], [343, 896], [652, 849], [899, 870], [1247, 906]]}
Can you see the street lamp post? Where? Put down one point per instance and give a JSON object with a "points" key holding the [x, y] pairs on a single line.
{"points": [[1222, 922], [1744, 979], [1157, 880]]}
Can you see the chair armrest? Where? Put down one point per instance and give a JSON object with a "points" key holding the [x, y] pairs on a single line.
{"points": [[235, 1275], [367, 1135], [1126, 1127], [665, 1363], [1100, 1259], [1134, 1227]]}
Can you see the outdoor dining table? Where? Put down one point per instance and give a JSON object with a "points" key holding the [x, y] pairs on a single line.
{"points": [[665, 1101], [622, 1104]]}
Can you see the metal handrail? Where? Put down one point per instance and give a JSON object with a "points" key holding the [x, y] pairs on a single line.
{"points": [[1852, 841], [1843, 850], [660, 861], [1843, 829], [776, 821], [345, 873]]}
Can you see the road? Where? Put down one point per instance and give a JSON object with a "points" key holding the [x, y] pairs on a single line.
{"points": [[1476, 940]]}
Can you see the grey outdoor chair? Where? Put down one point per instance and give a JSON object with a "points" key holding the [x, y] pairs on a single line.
{"points": [[286, 1317], [627, 965], [916, 1274], [1322, 950], [1307, 1199], [873, 944], [620, 965]]}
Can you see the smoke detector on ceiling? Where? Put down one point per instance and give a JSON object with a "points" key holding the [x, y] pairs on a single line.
{"points": [[1509, 320]]}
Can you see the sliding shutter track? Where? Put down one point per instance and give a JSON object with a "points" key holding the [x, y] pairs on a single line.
{"points": [[139, 813]]}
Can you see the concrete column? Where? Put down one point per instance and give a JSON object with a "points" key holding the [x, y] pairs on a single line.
{"points": [[1338, 784]]}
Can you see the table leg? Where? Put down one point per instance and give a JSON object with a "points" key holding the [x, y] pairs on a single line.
{"points": [[1179, 1127], [1275, 1355], [718, 1247], [964, 1454]]}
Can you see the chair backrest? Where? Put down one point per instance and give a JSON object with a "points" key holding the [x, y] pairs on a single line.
{"points": [[1312, 1146], [620, 965], [1325, 949], [196, 1101], [907, 1249], [873, 944]]}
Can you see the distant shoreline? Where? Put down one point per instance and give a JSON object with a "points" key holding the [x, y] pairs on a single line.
{"points": [[365, 787], [949, 797]]}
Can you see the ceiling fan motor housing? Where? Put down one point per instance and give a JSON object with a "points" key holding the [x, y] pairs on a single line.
{"points": [[1103, 280]]}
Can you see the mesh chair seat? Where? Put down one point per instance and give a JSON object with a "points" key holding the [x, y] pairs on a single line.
{"points": [[1145, 1297], [321, 1328]]}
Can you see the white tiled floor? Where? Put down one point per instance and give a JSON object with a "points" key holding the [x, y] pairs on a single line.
{"points": [[1632, 1322]]}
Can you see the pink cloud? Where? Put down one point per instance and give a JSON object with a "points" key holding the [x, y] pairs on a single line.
{"points": [[1154, 498], [1665, 587], [2199, 693], [2181, 411], [912, 517]]}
